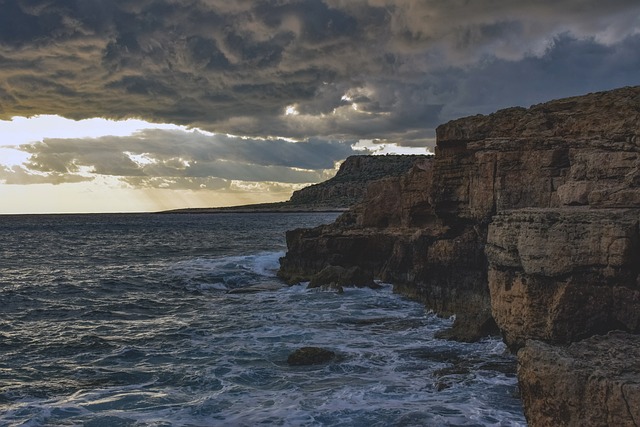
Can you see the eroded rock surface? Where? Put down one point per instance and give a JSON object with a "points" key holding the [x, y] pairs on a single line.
{"points": [[559, 187], [396, 235], [347, 187], [595, 382], [336, 277], [560, 275]]}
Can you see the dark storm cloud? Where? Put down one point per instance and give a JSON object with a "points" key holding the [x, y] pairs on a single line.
{"points": [[579, 66], [171, 159], [377, 69]]}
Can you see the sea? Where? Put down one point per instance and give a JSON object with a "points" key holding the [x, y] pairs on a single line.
{"points": [[136, 320]]}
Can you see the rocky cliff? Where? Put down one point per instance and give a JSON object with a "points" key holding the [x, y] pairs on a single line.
{"points": [[397, 235], [525, 217]]}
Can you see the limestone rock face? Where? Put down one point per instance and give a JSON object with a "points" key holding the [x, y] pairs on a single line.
{"points": [[580, 151], [562, 241], [370, 233], [560, 275], [426, 231], [595, 382], [524, 215], [558, 186], [311, 250]]}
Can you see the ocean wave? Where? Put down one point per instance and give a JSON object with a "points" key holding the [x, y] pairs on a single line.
{"points": [[224, 273]]}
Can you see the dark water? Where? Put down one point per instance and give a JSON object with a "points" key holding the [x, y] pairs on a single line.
{"points": [[126, 320]]}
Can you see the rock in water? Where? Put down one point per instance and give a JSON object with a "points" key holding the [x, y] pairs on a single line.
{"points": [[310, 356]]}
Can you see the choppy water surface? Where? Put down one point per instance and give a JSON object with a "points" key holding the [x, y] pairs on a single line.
{"points": [[125, 320]]}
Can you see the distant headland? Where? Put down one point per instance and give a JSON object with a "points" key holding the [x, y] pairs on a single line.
{"points": [[337, 194]]}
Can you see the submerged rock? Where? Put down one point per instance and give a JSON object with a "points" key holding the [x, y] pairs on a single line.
{"points": [[310, 356]]}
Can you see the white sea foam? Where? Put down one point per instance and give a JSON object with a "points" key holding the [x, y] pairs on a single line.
{"points": [[218, 286], [266, 263]]}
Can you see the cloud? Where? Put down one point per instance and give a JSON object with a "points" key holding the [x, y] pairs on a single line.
{"points": [[383, 70], [18, 175], [157, 158], [177, 183], [569, 67]]}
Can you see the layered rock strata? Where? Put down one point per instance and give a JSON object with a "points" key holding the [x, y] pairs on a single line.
{"points": [[528, 217], [562, 274], [566, 268]]}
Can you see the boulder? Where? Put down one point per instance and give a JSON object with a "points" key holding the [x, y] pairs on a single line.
{"points": [[310, 356]]}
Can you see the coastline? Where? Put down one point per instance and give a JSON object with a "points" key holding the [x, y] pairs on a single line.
{"points": [[525, 223], [254, 209]]}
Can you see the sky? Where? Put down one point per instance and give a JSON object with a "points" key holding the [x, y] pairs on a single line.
{"points": [[146, 105]]}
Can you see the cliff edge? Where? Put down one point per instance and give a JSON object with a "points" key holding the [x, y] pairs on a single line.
{"points": [[526, 219], [348, 186]]}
